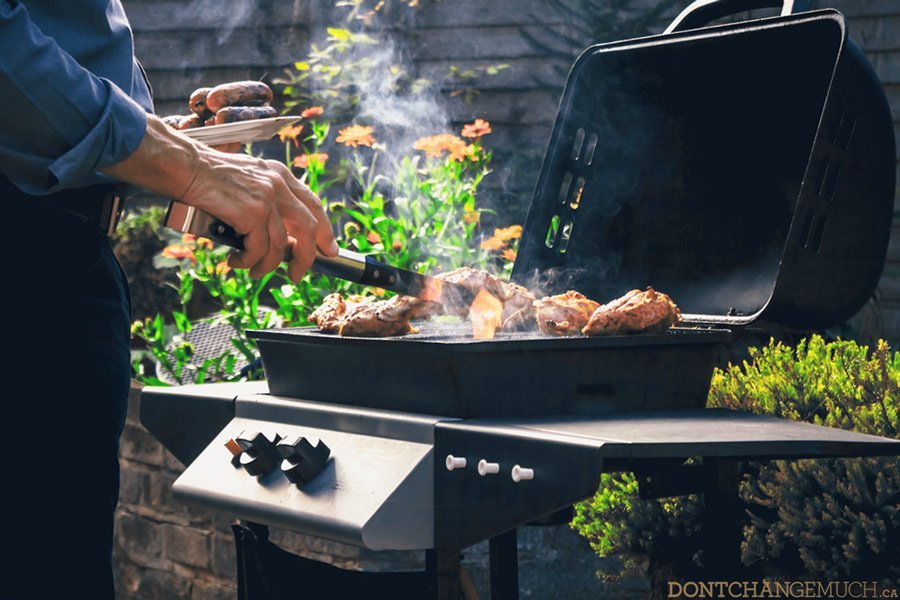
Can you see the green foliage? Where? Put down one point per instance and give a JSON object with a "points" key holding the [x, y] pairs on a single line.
{"points": [[827, 519]]}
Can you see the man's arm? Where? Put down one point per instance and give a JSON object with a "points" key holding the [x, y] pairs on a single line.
{"points": [[261, 199], [60, 123]]}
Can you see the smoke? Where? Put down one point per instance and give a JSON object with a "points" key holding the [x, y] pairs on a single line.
{"points": [[401, 108]]}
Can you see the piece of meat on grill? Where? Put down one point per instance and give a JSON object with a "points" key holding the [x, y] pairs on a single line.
{"points": [[518, 302], [380, 319], [635, 312], [327, 317], [360, 316], [565, 314]]}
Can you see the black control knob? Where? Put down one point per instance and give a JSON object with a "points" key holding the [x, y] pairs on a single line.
{"points": [[259, 456], [302, 459]]}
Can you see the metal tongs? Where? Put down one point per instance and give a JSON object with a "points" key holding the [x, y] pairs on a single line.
{"points": [[347, 265]]}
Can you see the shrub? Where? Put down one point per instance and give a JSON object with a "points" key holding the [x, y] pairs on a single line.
{"points": [[825, 519]]}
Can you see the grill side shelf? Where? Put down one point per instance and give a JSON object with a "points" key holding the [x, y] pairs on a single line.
{"points": [[186, 418]]}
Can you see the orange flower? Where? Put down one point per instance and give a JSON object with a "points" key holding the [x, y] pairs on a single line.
{"points": [[509, 254], [477, 129], [373, 237], [303, 161], [493, 243], [179, 252], [397, 246], [471, 217], [355, 136], [222, 268], [312, 112], [513, 232], [473, 153], [435, 145], [205, 243], [291, 132]]}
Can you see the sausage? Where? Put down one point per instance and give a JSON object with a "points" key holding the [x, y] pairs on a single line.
{"points": [[231, 114], [197, 103], [190, 122], [238, 93]]}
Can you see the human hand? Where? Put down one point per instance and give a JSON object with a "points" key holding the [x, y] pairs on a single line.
{"points": [[260, 199], [268, 206]]}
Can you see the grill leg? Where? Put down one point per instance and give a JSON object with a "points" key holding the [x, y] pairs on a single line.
{"points": [[721, 519], [442, 568], [504, 566]]}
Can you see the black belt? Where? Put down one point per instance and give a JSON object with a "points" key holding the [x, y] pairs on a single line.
{"points": [[98, 206]]}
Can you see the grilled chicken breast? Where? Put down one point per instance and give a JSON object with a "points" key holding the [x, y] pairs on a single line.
{"points": [[645, 312], [565, 314], [358, 316]]}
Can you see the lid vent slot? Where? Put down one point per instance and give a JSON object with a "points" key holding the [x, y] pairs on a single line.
{"points": [[591, 147], [818, 231], [579, 142], [565, 236], [829, 182], [577, 193], [806, 228], [564, 188], [552, 231]]}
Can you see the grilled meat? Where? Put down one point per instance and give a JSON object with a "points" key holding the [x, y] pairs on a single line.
{"points": [[233, 114], [518, 309], [359, 316], [635, 312], [197, 103], [565, 314], [238, 93]]}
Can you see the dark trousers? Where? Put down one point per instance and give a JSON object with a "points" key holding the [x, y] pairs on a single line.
{"points": [[67, 380]]}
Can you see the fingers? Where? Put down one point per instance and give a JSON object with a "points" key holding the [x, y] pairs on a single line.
{"points": [[324, 235], [256, 246], [303, 256], [278, 239]]}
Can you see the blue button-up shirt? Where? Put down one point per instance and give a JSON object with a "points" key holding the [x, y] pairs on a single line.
{"points": [[73, 98]]}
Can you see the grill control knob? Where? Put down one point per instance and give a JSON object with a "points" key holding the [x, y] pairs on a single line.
{"points": [[302, 459], [259, 456], [455, 462], [521, 474], [487, 468]]}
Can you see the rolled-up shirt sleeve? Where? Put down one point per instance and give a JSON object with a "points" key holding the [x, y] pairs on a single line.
{"points": [[59, 123]]}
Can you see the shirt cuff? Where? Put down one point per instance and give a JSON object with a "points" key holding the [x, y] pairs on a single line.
{"points": [[116, 135]]}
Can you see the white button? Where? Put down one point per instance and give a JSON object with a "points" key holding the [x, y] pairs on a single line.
{"points": [[521, 474], [486, 468], [455, 462]]}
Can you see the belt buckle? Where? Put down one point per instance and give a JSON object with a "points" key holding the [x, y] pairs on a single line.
{"points": [[109, 214]]}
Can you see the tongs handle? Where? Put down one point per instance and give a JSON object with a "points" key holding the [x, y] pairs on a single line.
{"points": [[347, 265]]}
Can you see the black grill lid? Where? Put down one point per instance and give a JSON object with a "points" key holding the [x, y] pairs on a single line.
{"points": [[747, 170]]}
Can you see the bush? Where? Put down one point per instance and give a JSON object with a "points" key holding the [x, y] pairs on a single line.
{"points": [[822, 519]]}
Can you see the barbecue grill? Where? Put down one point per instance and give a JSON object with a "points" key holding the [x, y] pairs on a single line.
{"points": [[761, 195]]}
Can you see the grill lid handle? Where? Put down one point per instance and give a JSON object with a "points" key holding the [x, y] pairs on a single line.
{"points": [[703, 12]]}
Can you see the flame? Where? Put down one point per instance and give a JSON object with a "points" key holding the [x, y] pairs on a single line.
{"points": [[432, 290], [485, 313]]}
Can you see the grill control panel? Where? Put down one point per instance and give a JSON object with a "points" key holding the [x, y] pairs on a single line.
{"points": [[338, 475]]}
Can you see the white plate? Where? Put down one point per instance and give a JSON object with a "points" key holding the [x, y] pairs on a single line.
{"points": [[256, 130]]}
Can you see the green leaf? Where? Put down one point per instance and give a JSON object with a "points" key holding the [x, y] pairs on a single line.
{"points": [[343, 35]]}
